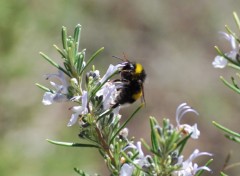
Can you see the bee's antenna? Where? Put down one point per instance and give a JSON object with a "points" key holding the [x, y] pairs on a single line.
{"points": [[118, 58], [125, 57]]}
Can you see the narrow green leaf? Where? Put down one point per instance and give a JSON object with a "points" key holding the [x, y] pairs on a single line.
{"points": [[226, 162], [223, 55], [201, 171], [53, 63], [234, 66], [219, 51], [60, 51], [64, 37], [129, 160], [232, 33], [49, 60], [223, 174], [43, 87], [233, 138], [226, 129], [125, 123], [80, 172], [183, 142], [107, 112], [92, 58], [154, 134], [76, 37], [236, 20], [71, 53], [234, 83], [230, 85], [171, 142], [77, 33], [145, 144], [237, 164], [229, 30], [71, 144], [67, 66], [79, 61]]}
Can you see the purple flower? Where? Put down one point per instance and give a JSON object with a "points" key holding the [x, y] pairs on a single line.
{"points": [[188, 168], [60, 92], [220, 61], [141, 160], [79, 110], [185, 128]]}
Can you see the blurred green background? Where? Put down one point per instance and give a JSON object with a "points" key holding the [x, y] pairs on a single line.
{"points": [[173, 40]]}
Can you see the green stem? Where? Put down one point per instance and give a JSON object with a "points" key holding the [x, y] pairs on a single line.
{"points": [[105, 146]]}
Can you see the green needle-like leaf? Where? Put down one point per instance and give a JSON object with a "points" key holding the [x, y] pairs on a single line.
{"points": [[234, 66], [230, 85], [201, 171], [79, 61], [232, 166], [64, 37], [154, 135], [70, 52], [145, 144], [130, 160], [236, 20], [92, 58], [71, 144], [60, 51], [226, 129], [53, 63], [125, 123], [219, 51], [80, 172], [43, 88], [223, 55], [76, 37], [232, 33], [233, 138], [183, 142], [223, 174], [107, 112]]}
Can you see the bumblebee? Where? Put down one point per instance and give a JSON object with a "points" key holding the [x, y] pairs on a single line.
{"points": [[132, 77], [132, 71]]}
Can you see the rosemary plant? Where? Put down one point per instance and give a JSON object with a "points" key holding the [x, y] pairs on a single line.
{"points": [[99, 123]]}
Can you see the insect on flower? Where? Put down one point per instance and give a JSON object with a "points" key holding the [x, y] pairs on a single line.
{"points": [[132, 77]]}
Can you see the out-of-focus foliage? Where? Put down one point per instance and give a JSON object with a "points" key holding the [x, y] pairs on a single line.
{"points": [[173, 40]]}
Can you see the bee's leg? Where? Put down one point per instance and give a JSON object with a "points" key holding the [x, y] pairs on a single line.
{"points": [[115, 105], [117, 80]]}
